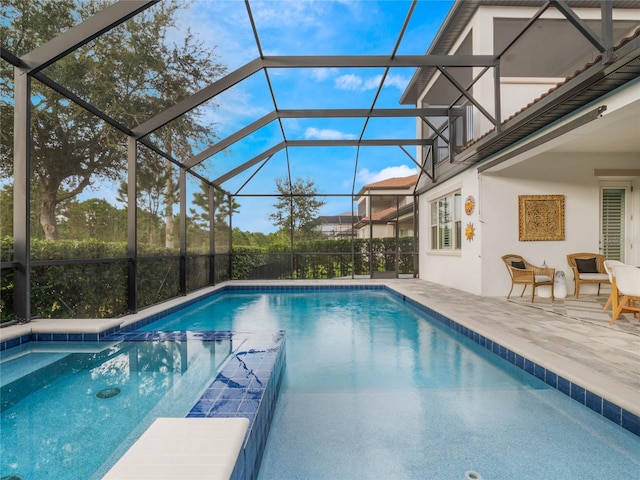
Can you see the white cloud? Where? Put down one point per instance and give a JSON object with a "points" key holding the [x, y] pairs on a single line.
{"points": [[397, 81], [348, 82], [372, 83], [233, 108], [355, 82], [321, 74], [326, 134], [366, 176]]}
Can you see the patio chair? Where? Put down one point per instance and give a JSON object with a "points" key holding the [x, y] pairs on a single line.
{"points": [[626, 282], [608, 267], [587, 268], [524, 273]]}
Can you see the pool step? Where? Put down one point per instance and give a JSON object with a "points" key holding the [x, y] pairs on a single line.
{"points": [[183, 448]]}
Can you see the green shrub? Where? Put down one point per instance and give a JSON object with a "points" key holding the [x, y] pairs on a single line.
{"points": [[99, 289]]}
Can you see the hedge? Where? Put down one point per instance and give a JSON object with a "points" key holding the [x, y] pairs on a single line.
{"points": [[99, 289]]}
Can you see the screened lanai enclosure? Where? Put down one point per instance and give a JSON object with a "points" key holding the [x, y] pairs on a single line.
{"points": [[153, 148]]}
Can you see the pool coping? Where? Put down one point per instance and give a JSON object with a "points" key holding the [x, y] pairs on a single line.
{"points": [[616, 404]]}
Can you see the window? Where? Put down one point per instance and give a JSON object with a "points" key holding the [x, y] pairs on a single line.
{"points": [[612, 223], [446, 223]]}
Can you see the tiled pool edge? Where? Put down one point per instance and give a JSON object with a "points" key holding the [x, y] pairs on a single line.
{"points": [[255, 376], [247, 386], [627, 420], [152, 317]]}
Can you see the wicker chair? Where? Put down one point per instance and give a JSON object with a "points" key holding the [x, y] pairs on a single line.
{"points": [[524, 273], [587, 268]]}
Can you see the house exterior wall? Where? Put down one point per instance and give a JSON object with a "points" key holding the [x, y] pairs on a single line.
{"points": [[477, 266], [571, 175], [459, 269], [370, 205], [379, 231], [516, 93]]}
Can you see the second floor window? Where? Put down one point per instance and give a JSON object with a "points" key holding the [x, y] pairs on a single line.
{"points": [[446, 222]]}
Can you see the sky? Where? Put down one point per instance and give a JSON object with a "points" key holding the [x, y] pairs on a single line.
{"points": [[312, 28], [317, 27]]}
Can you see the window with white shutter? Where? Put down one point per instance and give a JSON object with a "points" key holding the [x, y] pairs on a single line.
{"points": [[446, 223], [613, 223]]}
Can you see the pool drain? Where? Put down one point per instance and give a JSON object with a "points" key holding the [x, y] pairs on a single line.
{"points": [[108, 392], [10, 477], [471, 475]]}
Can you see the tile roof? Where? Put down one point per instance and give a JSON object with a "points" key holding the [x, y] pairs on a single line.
{"points": [[387, 214], [396, 182]]}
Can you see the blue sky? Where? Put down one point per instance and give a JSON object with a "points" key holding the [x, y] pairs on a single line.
{"points": [[311, 28], [320, 27]]}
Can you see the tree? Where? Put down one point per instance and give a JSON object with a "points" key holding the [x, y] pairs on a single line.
{"points": [[96, 219], [157, 193], [224, 206], [297, 207], [132, 73], [6, 212]]}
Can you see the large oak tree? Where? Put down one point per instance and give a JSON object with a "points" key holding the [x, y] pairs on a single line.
{"points": [[132, 73]]}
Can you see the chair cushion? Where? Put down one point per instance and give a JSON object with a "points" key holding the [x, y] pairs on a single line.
{"points": [[518, 265], [587, 265], [542, 278], [594, 276]]}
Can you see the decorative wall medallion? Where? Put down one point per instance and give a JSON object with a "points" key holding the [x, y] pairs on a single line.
{"points": [[469, 205], [540, 217], [470, 231]]}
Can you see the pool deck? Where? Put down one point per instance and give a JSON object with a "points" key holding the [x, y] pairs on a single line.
{"points": [[570, 337]]}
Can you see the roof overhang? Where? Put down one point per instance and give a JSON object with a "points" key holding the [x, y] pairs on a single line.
{"points": [[565, 100], [455, 23]]}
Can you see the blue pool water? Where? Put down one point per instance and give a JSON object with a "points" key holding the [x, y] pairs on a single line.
{"points": [[374, 389], [69, 411]]}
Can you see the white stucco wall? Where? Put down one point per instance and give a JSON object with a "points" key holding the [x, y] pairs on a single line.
{"points": [[379, 231], [477, 267], [571, 175], [457, 269], [517, 93]]}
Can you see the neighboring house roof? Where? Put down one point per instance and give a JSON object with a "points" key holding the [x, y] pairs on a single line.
{"points": [[386, 215], [390, 184], [342, 218]]}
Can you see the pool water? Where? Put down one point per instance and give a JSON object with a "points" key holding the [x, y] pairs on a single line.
{"points": [[375, 389], [70, 413]]}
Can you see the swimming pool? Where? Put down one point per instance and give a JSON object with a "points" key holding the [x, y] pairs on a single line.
{"points": [[70, 410], [375, 389]]}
